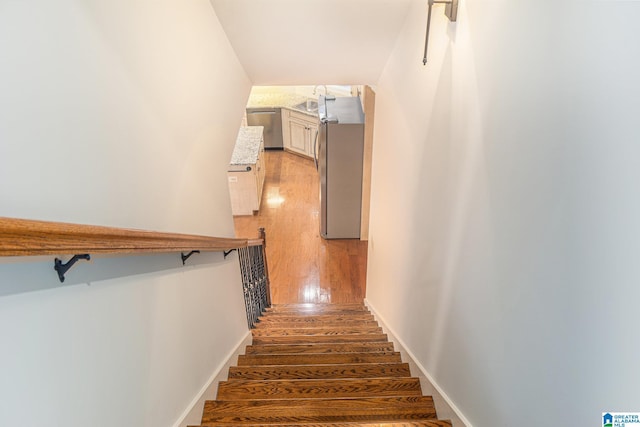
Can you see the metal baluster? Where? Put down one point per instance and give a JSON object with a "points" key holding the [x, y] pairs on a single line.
{"points": [[261, 287], [255, 280], [250, 287], [250, 301], [245, 279]]}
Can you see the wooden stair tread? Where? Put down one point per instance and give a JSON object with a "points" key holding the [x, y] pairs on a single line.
{"points": [[330, 308], [318, 330], [360, 370], [319, 410], [343, 321], [404, 423], [306, 389], [371, 347], [317, 307], [319, 304], [273, 317], [317, 310], [311, 316], [306, 339], [317, 359], [277, 314]]}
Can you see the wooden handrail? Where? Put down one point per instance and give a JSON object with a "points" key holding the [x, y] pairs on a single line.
{"points": [[255, 242], [21, 237]]}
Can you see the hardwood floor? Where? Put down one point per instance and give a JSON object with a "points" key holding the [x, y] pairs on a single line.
{"points": [[303, 267]]}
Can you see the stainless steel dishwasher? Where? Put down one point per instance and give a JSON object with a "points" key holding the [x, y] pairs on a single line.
{"points": [[271, 119]]}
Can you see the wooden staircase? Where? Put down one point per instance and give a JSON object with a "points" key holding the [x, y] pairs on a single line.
{"points": [[319, 365]]}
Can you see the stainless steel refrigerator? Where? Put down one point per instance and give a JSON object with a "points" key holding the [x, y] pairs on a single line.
{"points": [[339, 157]]}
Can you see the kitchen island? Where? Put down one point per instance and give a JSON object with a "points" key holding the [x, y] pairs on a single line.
{"points": [[246, 171]]}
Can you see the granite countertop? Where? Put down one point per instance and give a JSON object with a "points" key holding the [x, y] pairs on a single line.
{"points": [[247, 146], [282, 100]]}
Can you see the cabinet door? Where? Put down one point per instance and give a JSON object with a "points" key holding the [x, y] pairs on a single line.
{"points": [[299, 136], [313, 139], [242, 189], [260, 173]]}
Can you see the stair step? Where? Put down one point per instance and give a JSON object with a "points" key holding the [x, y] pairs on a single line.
{"points": [[308, 389], [317, 359], [319, 410], [274, 317], [348, 312], [317, 309], [314, 331], [372, 347], [308, 339], [342, 321], [360, 370], [315, 314], [404, 423]]}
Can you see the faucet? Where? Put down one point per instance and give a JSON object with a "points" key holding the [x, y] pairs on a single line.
{"points": [[315, 88]]}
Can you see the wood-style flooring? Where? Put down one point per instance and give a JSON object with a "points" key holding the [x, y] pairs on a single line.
{"points": [[303, 267]]}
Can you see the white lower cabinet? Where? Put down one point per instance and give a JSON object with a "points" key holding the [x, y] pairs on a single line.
{"points": [[300, 131], [245, 186]]}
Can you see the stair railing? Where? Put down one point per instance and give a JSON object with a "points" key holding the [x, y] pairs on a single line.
{"points": [[255, 278], [22, 237]]}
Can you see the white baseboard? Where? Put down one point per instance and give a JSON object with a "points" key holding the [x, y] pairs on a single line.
{"points": [[393, 336], [194, 410]]}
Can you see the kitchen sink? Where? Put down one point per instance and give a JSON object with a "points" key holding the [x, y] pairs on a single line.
{"points": [[310, 106]]}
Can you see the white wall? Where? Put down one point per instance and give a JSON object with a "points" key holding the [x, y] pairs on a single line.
{"points": [[121, 113], [507, 169]]}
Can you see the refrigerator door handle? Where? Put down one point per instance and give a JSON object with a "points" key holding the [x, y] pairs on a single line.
{"points": [[315, 149]]}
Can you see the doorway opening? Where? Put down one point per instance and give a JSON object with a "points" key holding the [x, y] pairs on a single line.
{"points": [[304, 267]]}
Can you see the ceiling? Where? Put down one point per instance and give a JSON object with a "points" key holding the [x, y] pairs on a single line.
{"points": [[285, 42]]}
